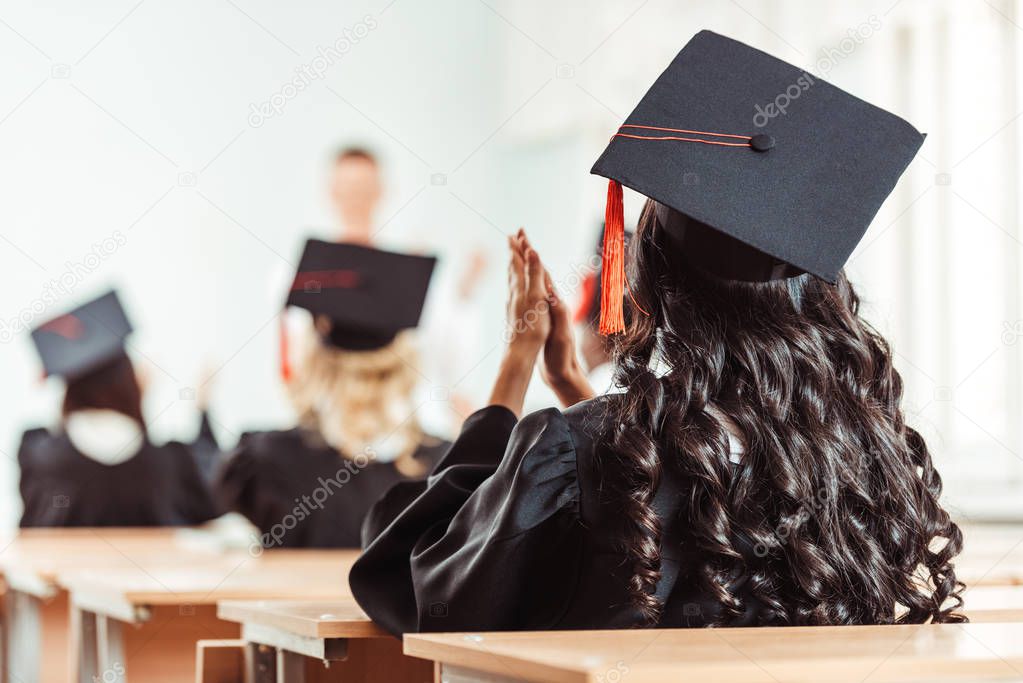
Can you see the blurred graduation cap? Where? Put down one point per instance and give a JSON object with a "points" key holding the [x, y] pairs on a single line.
{"points": [[84, 339], [762, 171], [367, 296]]}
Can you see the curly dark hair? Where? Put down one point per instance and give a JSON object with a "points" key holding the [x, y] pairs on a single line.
{"points": [[835, 494]]}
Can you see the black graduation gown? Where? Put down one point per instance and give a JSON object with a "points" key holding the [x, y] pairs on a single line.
{"points": [[158, 486], [206, 450], [511, 533], [301, 493]]}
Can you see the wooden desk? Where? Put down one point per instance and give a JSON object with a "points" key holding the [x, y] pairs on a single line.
{"points": [[948, 652], [992, 555], [35, 609], [117, 614], [989, 571], [293, 641], [993, 539], [994, 603]]}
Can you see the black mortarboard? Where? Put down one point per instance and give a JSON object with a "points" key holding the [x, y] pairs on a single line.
{"points": [[769, 170], [82, 340], [367, 295]]}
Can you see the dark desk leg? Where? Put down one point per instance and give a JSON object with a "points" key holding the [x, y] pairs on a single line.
{"points": [[260, 664], [290, 667]]}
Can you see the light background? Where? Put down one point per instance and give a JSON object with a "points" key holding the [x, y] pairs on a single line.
{"points": [[132, 120]]}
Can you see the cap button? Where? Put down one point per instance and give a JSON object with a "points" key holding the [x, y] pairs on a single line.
{"points": [[761, 142]]}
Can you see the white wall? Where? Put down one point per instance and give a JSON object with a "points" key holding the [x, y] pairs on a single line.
{"points": [[131, 121], [105, 110], [939, 270]]}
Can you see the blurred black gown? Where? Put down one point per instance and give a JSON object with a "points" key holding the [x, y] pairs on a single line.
{"points": [[301, 493], [61, 486], [206, 451], [511, 533]]}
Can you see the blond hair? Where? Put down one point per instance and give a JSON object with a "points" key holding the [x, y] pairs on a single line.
{"points": [[356, 400]]}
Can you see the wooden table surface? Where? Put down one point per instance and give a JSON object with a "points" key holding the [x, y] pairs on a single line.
{"points": [[846, 653], [36, 609], [344, 618], [282, 574], [993, 603], [301, 634], [992, 555], [116, 570], [309, 618], [997, 539], [148, 619], [32, 561]]}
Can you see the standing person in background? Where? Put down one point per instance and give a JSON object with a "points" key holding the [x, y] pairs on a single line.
{"points": [[99, 468], [352, 387], [356, 189], [766, 475]]}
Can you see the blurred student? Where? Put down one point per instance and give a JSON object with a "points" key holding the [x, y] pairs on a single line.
{"points": [[352, 387], [356, 189], [767, 476], [98, 467]]}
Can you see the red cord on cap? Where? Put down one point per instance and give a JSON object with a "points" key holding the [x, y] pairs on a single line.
{"points": [[612, 284], [746, 138]]}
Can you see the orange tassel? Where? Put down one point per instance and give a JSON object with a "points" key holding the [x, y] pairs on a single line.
{"points": [[285, 357], [612, 284]]}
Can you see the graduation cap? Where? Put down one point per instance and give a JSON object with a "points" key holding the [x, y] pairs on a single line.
{"points": [[83, 340], [366, 295], [762, 171]]}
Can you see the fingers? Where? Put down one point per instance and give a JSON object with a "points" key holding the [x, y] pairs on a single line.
{"points": [[516, 265], [526, 271], [535, 281], [552, 293], [523, 239], [518, 255], [517, 241], [561, 319]]}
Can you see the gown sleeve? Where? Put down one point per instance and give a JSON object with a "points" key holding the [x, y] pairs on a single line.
{"points": [[235, 485], [194, 498], [34, 512], [206, 450], [491, 541]]}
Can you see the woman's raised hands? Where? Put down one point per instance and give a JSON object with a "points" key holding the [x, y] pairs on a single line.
{"points": [[536, 319], [529, 296]]}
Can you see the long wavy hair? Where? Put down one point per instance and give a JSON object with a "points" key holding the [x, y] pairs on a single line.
{"points": [[357, 399], [835, 500]]}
